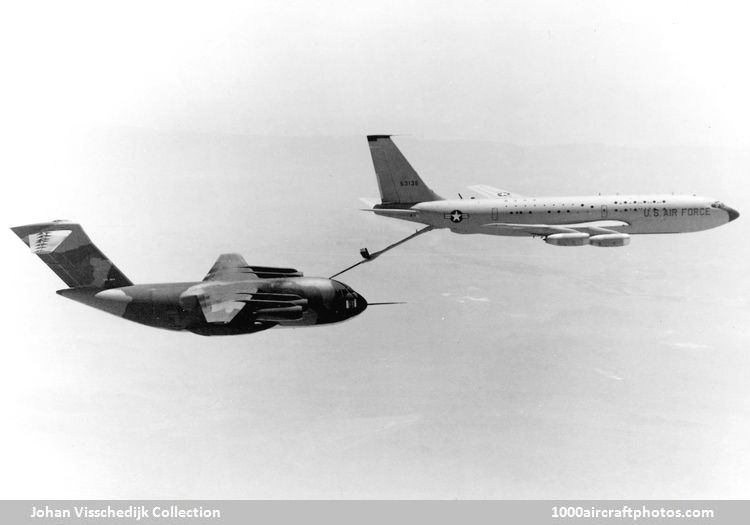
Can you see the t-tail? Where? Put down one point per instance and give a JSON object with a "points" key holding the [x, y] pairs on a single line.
{"points": [[68, 251], [400, 186]]}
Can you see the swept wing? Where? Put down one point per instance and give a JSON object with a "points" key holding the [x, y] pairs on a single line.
{"points": [[232, 267], [590, 227], [490, 192], [229, 289]]}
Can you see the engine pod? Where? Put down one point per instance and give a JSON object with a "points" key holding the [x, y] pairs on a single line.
{"points": [[568, 239], [608, 240]]}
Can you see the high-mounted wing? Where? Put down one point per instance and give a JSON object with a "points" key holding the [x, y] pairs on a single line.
{"points": [[222, 302], [233, 267], [489, 192], [229, 267], [222, 294]]}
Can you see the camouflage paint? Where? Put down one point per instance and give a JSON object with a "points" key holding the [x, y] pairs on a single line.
{"points": [[75, 259], [234, 298]]}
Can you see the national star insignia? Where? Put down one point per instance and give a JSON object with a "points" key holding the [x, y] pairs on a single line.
{"points": [[456, 216]]}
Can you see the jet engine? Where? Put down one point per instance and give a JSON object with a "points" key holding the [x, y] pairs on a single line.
{"points": [[567, 239], [285, 313], [608, 240]]}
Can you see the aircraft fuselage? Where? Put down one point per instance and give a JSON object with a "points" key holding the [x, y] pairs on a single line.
{"points": [[233, 298], [601, 220], [642, 214], [284, 302]]}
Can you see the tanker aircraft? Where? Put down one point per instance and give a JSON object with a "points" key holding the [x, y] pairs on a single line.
{"points": [[599, 220], [233, 298]]}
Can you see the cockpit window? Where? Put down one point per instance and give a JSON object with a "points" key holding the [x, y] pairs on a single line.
{"points": [[717, 204]]}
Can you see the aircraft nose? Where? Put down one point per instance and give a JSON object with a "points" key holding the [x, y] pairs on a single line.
{"points": [[347, 303], [733, 214], [361, 303]]}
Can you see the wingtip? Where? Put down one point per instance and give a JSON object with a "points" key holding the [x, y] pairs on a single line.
{"points": [[373, 138]]}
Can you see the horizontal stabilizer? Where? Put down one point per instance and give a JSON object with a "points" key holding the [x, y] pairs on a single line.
{"points": [[370, 203], [394, 212]]}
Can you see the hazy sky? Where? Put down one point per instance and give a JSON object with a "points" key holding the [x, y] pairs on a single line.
{"points": [[176, 132], [636, 72]]}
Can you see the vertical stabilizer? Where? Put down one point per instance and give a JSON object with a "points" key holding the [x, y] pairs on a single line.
{"points": [[397, 180], [68, 251]]}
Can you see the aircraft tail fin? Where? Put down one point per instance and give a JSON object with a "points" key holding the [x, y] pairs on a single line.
{"points": [[397, 180], [68, 251]]}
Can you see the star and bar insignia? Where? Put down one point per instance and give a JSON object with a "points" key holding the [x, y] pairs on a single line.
{"points": [[456, 216]]}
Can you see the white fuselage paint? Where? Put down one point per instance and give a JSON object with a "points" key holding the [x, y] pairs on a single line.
{"points": [[642, 213]]}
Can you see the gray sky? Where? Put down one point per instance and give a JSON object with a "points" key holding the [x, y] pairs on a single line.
{"points": [[620, 73], [175, 133]]}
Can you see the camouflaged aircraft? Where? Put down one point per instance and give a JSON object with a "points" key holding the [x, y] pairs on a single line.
{"points": [[601, 220], [233, 298]]}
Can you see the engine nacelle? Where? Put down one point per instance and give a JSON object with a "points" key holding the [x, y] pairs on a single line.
{"points": [[609, 240], [284, 313], [567, 239]]}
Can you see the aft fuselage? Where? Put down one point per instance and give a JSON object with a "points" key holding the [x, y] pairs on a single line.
{"points": [[642, 214]]}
